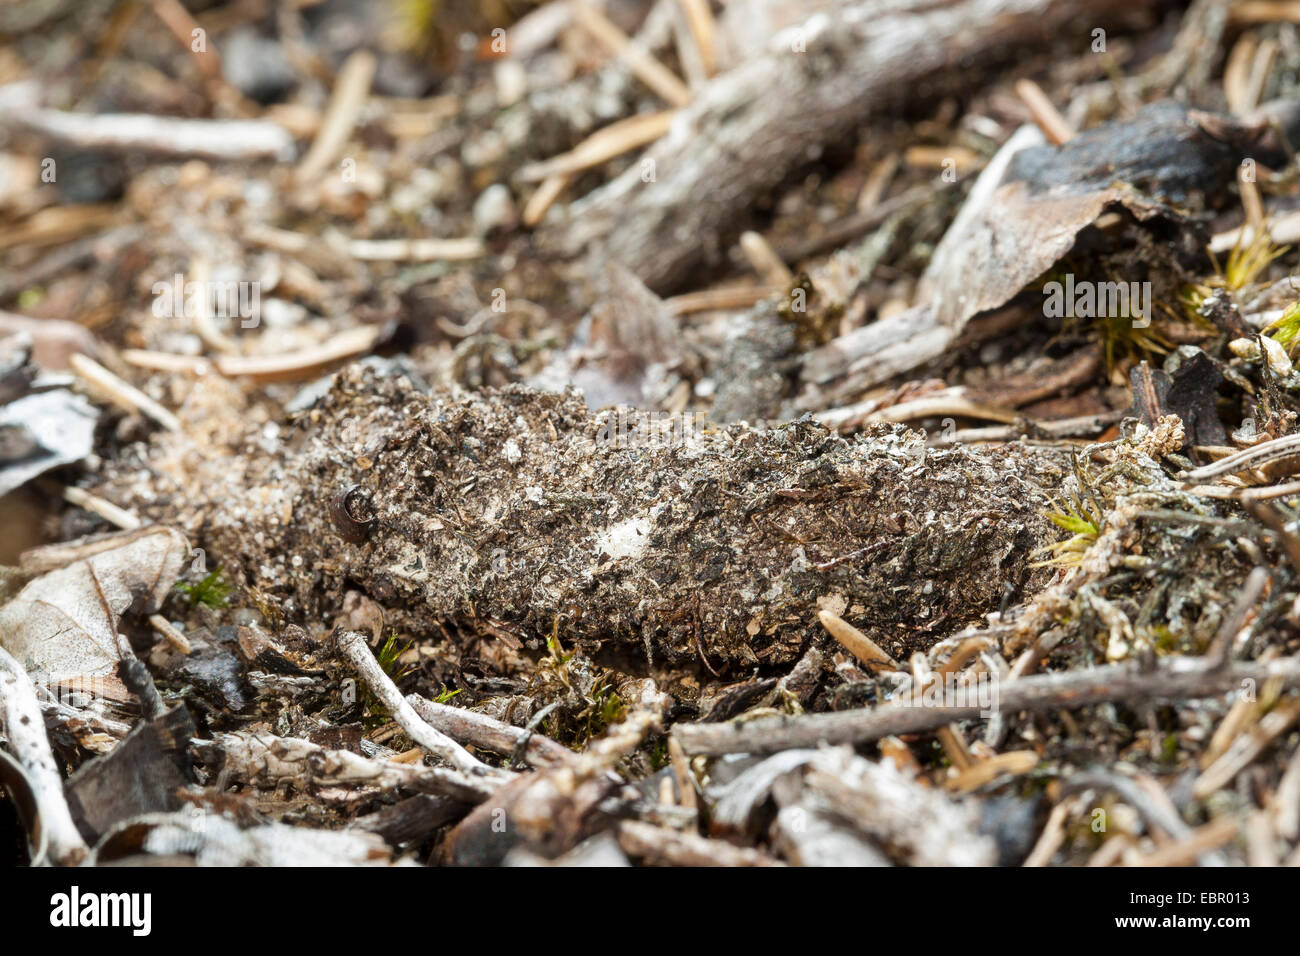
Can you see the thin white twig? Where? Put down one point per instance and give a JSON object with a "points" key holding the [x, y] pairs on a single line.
{"points": [[142, 133], [25, 728], [489, 733], [352, 645], [1256, 456], [110, 512]]}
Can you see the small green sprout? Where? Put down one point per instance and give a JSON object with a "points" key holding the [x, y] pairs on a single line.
{"points": [[388, 659], [389, 655], [445, 695], [1083, 524], [212, 591], [1285, 329]]}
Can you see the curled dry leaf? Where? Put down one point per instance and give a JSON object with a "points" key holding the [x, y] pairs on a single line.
{"points": [[64, 623], [40, 427], [1032, 202], [43, 431]]}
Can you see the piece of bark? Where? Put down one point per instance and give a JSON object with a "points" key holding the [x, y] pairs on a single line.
{"points": [[736, 141], [212, 839], [41, 432], [667, 546], [1150, 389], [141, 775], [543, 812], [925, 826], [413, 819], [739, 805], [664, 846], [839, 808], [217, 673], [807, 835], [1190, 393], [875, 353]]}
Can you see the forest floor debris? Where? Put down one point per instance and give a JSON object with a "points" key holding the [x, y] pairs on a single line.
{"points": [[663, 432]]}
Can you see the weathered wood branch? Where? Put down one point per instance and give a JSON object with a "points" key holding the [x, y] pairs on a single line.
{"points": [[754, 125], [481, 730], [1176, 679], [265, 760], [670, 847]]}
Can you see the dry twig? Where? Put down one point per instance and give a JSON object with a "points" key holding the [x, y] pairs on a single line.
{"points": [[354, 649], [1176, 679]]}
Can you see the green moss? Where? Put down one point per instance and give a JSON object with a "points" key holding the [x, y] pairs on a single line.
{"points": [[212, 591], [606, 710], [1243, 268], [389, 657], [1073, 522]]}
